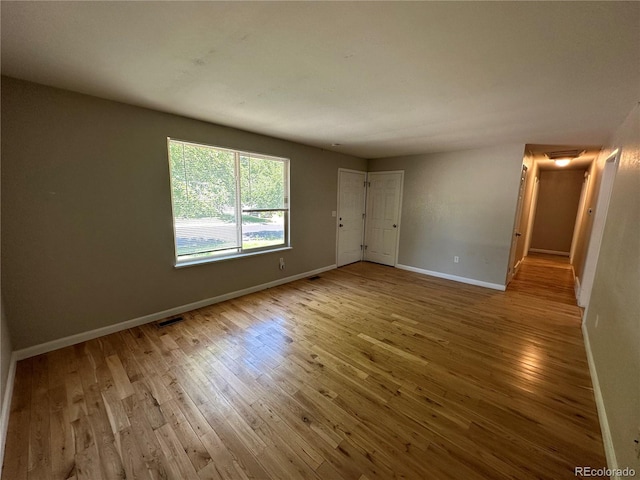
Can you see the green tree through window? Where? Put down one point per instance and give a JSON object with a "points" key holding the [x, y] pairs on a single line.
{"points": [[226, 201]]}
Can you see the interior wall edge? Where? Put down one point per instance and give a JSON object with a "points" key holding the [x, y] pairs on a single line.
{"points": [[6, 405]]}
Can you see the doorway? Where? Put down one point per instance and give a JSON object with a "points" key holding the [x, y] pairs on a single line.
{"points": [[351, 213], [368, 223], [384, 195], [517, 234], [602, 207]]}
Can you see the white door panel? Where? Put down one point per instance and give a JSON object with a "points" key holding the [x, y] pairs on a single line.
{"points": [[351, 207], [383, 217], [516, 229]]}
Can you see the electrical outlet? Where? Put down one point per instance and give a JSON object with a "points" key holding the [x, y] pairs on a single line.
{"points": [[456, 259], [281, 263]]}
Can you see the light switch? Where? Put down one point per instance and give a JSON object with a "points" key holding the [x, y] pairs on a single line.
{"points": [[334, 213]]}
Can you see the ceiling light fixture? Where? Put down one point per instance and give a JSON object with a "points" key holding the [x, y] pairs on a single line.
{"points": [[562, 158]]}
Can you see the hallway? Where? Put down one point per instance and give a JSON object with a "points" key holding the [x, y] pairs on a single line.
{"points": [[545, 276]]}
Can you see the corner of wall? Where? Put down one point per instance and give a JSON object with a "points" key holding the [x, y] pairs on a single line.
{"points": [[7, 395], [8, 361]]}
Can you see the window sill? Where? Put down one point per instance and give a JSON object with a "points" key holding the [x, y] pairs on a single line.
{"points": [[200, 261]]}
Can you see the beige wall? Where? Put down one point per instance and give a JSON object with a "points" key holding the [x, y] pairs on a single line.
{"points": [[87, 236], [613, 315], [556, 209], [458, 203]]}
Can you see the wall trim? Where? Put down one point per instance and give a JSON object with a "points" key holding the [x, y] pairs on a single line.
{"points": [[99, 332], [576, 289], [609, 451], [517, 266], [455, 278], [549, 252], [6, 405]]}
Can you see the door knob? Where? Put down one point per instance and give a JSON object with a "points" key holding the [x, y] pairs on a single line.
{"points": [[518, 234], [395, 226], [341, 225]]}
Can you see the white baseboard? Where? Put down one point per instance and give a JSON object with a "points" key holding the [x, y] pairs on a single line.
{"points": [[99, 332], [6, 406], [550, 252], [455, 278], [609, 452]]}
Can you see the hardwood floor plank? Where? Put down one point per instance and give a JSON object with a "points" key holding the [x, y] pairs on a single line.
{"points": [[62, 444], [223, 463], [133, 460], [75, 396], [394, 350], [87, 468], [234, 443], [190, 442], [151, 406], [40, 431], [278, 428], [107, 453], [120, 378], [145, 439], [175, 454]]}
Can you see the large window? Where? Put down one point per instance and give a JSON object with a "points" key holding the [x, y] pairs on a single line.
{"points": [[227, 202]]}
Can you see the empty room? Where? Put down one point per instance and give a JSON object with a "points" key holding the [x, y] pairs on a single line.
{"points": [[320, 240]]}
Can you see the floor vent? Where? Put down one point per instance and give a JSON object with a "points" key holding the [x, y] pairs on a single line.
{"points": [[168, 321], [315, 277]]}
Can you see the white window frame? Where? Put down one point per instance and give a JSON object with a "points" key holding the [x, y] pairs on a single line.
{"points": [[239, 251]]}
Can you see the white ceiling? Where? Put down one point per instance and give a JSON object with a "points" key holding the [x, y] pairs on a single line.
{"points": [[380, 78]]}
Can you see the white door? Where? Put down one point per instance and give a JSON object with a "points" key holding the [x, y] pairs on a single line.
{"points": [[384, 194], [597, 230], [517, 234], [351, 198]]}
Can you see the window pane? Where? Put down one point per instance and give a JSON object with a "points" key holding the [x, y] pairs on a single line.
{"points": [[262, 229], [204, 198], [262, 182], [226, 201]]}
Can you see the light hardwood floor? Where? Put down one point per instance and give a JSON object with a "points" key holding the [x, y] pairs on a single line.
{"points": [[367, 372]]}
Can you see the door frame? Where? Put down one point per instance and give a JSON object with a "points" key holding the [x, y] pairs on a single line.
{"points": [[532, 213], [397, 247], [516, 237], [364, 227], [609, 172], [580, 215]]}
